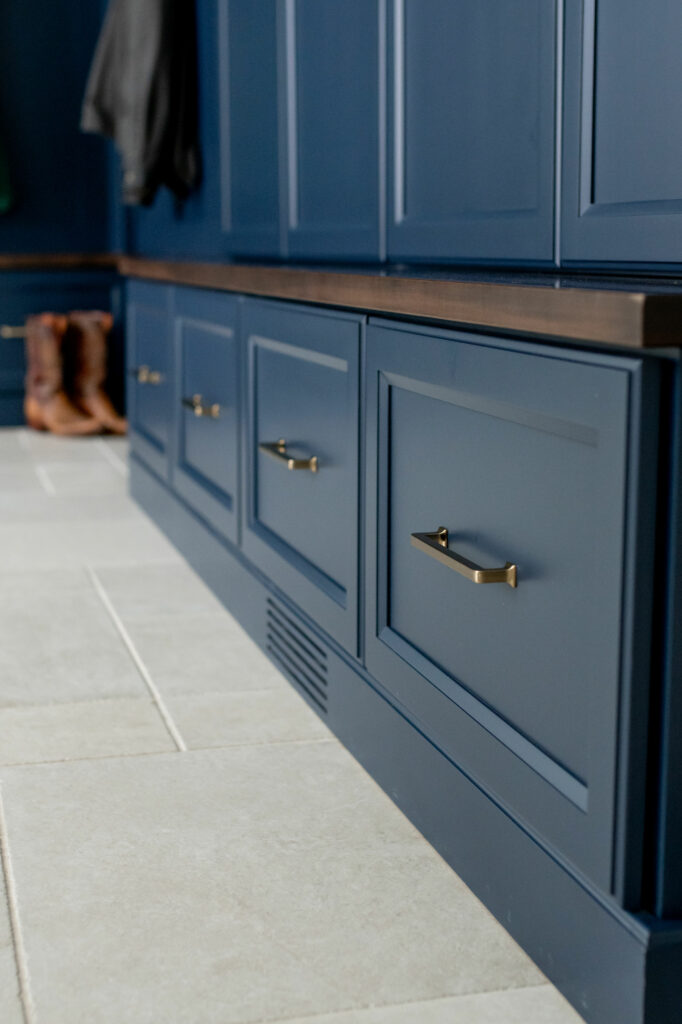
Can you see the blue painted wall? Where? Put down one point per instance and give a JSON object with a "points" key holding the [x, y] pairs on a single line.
{"points": [[59, 175]]}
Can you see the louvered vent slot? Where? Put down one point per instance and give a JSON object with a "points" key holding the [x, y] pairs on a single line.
{"points": [[298, 654]]}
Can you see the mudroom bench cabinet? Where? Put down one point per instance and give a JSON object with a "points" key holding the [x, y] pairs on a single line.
{"points": [[451, 517]]}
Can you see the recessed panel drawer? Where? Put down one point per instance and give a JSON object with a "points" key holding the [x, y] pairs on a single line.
{"points": [[150, 356], [302, 458], [497, 585], [207, 403]]}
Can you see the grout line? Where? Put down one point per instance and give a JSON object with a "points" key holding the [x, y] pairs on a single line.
{"points": [[139, 664], [112, 458], [23, 977], [44, 477]]}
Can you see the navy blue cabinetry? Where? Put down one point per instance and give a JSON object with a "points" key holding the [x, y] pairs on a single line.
{"points": [[300, 478], [150, 374], [207, 405], [528, 457], [334, 84], [622, 189], [251, 117], [471, 130]]}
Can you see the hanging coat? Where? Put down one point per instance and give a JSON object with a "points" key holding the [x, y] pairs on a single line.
{"points": [[142, 93]]}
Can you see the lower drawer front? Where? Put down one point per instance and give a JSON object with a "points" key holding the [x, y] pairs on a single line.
{"points": [[150, 362], [206, 469], [301, 524], [523, 459]]}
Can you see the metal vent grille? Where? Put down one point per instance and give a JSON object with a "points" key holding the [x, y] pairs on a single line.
{"points": [[298, 654]]}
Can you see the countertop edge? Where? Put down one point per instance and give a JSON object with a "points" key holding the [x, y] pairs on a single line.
{"points": [[619, 317]]}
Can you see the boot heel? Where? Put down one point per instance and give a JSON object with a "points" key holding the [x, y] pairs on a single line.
{"points": [[33, 414]]}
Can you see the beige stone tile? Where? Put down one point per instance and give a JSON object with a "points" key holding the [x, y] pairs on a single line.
{"points": [[230, 719], [19, 479], [185, 882], [58, 644], [10, 1003], [197, 654], [44, 447], [157, 591], [63, 732], [28, 507], [539, 1005], [105, 542], [93, 478]]}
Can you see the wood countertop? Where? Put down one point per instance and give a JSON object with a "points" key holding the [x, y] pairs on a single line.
{"points": [[629, 312]]}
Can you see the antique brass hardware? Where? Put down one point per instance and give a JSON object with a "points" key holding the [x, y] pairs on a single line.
{"points": [[195, 404], [145, 375], [278, 450], [436, 545], [9, 331]]}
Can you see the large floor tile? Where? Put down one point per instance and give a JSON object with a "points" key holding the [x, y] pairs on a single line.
{"points": [[58, 643], [158, 591], [93, 478], [538, 1005], [20, 479], [10, 1003], [105, 542], [198, 654], [63, 732], [44, 447], [230, 719], [183, 880], [32, 507]]}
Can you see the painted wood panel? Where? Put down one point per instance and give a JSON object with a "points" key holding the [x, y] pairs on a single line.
{"points": [[622, 192], [525, 458], [149, 344], [471, 130], [206, 469]]}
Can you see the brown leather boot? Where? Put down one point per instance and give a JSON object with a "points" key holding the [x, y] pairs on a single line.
{"points": [[88, 331], [46, 406]]}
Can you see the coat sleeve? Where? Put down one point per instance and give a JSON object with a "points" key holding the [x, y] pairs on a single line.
{"points": [[141, 92]]}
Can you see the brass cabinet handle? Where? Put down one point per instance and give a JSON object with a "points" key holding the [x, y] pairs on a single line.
{"points": [[195, 403], [278, 450], [145, 375], [8, 331], [436, 545]]}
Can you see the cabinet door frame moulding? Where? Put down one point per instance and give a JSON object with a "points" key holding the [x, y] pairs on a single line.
{"points": [[484, 239], [602, 234], [624, 874], [331, 240]]}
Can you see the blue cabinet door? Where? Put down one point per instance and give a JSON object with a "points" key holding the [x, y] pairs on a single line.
{"points": [[301, 465], [471, 148], [334, 84], [528, 459], [150, 373], [622, 187], [250, 40], [207, 405]]}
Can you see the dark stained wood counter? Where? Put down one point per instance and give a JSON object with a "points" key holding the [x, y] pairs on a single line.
{"points": [[630, 312], [633, 313]]}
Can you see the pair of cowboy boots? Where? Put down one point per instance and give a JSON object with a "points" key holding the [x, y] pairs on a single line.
{"points": [[73, 349]]}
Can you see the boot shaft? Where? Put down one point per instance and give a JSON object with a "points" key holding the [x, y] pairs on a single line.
{"points": [[86, 351], [44, 338]]}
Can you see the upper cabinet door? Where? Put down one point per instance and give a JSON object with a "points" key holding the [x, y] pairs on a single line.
{"points": [[249, 35], [471, 130], [334, 89], [623, 131]]}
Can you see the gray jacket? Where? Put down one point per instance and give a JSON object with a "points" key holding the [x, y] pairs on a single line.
{"points": [[142, 93]]}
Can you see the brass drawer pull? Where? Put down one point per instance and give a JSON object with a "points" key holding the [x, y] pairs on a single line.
{"points": [[8, 331], [195, 404], [145, 375], [436, 545], [278, 450]]}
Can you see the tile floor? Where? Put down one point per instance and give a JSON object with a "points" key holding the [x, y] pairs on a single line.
{"points": [[182, 840]]}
